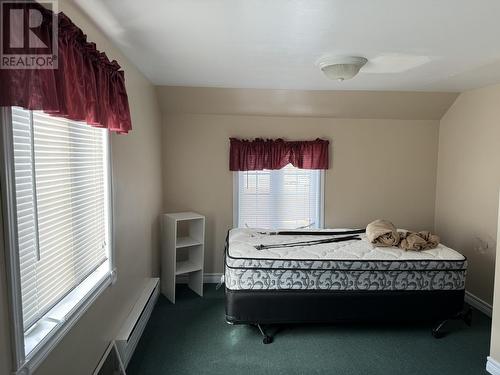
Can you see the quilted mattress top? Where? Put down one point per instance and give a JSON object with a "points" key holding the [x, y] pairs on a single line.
{"points": [[242, 253]]}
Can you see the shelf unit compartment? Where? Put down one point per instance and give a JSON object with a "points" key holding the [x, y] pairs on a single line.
{"points": [[186, 266], [191, 230], [187, 242]]}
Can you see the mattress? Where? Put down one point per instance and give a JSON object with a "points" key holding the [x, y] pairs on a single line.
{"points": [[354, 265]]}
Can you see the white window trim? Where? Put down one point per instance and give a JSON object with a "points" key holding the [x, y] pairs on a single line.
{"points": [[72, 307], [236, 192]]}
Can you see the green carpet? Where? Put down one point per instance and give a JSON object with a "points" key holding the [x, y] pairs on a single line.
{"points": [[192, 337]]}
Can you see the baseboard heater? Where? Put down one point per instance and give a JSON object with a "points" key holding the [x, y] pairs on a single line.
{"points": [[134, 325]]}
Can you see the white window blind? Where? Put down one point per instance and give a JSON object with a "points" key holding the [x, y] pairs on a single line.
{"points": [[279, 199], [61, 198]]}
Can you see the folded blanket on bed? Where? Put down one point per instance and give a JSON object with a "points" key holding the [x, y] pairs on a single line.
{"points": [[382, 233], [418, 240]]}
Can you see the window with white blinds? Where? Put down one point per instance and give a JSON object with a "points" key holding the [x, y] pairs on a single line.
{"points": [[279, 199], [60, 172]]}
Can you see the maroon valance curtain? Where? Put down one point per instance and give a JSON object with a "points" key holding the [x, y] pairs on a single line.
{"points": [[245, 155], [86, 85]]}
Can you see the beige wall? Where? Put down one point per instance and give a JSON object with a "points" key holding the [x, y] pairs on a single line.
{"points": [[468, 180], [380, 168], [137, 191], [337, 104]]}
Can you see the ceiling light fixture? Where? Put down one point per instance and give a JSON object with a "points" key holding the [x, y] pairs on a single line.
{"points": [[341, 68]]}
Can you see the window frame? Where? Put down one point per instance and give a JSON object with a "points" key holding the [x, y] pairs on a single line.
{"points": [[26, 363], [236, 192]]}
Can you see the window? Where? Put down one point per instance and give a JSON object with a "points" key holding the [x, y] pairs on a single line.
{"points": [[58, 222], [279, 199]]}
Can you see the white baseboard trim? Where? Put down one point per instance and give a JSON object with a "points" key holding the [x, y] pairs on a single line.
{"points": [[208, 278], [492, 366], [478, 303]]}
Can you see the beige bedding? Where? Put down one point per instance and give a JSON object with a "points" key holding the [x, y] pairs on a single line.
{"points": [[383, 233], [424, 240]]}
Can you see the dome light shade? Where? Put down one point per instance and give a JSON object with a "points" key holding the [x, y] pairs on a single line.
{"points": [[341, 68]]}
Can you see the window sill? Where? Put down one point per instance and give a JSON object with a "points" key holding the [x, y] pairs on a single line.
{"points": [[50, 329]]}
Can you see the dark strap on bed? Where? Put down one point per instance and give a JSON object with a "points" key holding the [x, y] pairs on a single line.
{"points": [[308, 243], [315, 233]]}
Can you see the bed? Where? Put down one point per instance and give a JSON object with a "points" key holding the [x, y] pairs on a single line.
{"points": [[349, 280]]}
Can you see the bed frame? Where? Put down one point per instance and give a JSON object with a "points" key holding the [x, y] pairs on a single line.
{"points": [[269, 307]]}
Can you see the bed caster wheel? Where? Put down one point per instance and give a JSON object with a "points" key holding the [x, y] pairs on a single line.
{"points": [[437, 331], [468, 317], [438, 334], [267, 340]]}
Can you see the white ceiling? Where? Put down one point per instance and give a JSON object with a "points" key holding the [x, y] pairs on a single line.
{"points": [[429, 45]]}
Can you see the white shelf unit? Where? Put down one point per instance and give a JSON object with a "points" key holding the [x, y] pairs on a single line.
{"points": [[182, 251]]}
